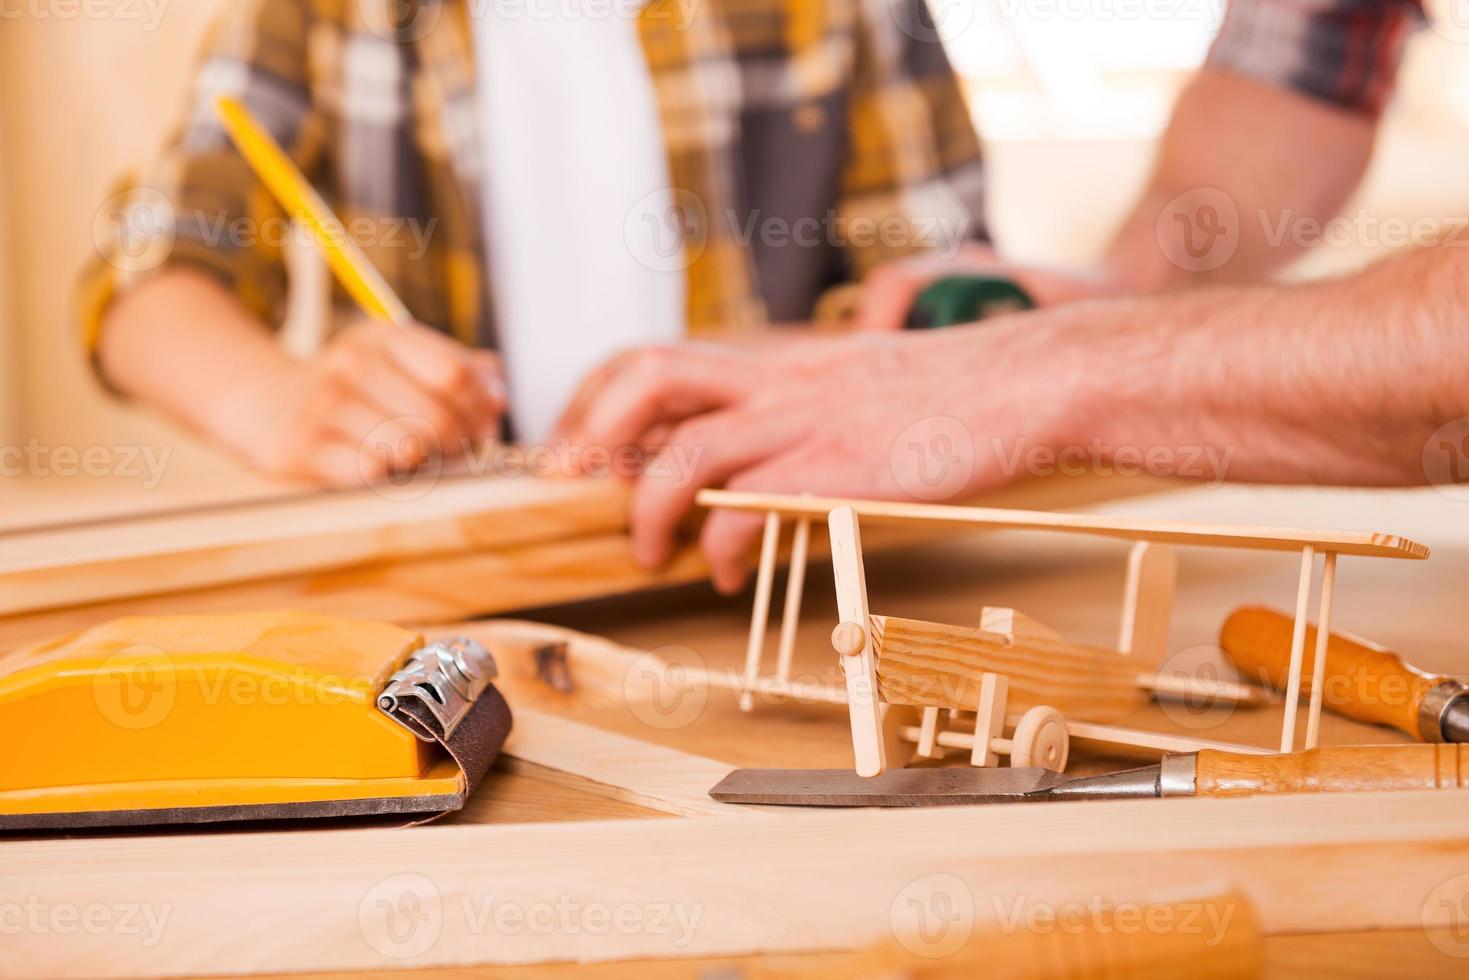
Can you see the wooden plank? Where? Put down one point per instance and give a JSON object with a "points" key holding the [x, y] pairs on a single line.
{"points": [[172, 552], [1416, 952], [936, 664], [321, 901], [437, 589], [1173, 532], [616, 766]]}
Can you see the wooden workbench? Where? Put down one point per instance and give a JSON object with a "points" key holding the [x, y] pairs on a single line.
{"points": [[1073, 585]]}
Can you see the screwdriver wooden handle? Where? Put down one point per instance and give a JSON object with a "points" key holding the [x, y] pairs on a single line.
{"points": [[1362, 680], [1338, 769]]}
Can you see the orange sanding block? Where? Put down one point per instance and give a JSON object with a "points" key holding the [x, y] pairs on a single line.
{"points": [[250, 716]]}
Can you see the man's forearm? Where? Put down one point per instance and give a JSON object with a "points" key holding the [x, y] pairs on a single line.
{"points": [[1238, 158], [1338, 381]]}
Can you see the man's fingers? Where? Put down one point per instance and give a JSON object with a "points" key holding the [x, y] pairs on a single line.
{"points": [[573, 416], [730, 536], [727, 540], [700, 453], [888, 293], [665, 385]]}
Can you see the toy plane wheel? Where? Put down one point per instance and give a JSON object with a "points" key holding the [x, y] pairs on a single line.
{"points": [[1040, 739]]}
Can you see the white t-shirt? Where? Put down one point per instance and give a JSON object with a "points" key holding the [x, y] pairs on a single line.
{"points": [[574, 159]]}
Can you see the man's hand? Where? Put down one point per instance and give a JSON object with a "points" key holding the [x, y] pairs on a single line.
{"points": [[896, 417], [891, 289], [381, 399]]}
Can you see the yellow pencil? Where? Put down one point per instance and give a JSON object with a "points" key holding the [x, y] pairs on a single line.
{"points": [[284, 180]]}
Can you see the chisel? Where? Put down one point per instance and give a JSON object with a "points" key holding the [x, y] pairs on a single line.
{"points": [[1362, 680], [1212, 773]]}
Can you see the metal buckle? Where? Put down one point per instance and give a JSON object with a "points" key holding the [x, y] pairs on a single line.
{"points": [[445, 679]]}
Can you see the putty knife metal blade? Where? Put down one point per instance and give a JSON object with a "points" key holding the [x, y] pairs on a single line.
{"points": [[895, 787]]}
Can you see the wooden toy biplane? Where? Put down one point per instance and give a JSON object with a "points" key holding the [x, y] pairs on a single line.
{"points": [[902, 677]]}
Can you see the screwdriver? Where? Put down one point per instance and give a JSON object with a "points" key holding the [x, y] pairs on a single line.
{"points": [[1338, 769], [1362, 680]]}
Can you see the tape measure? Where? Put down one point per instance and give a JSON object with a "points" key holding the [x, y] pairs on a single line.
{"points": [[964, 299]]}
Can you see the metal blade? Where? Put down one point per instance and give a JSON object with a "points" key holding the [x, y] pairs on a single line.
{"points": [[895, 787]]}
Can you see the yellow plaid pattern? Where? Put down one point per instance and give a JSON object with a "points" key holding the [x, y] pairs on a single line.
{"points": [[807, 140]]}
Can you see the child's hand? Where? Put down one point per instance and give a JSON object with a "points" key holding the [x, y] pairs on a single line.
{"points": [[381, 399]]}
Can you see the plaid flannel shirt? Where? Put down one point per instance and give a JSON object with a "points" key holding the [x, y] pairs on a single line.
{"points": [[1345, 52], [775, 114]]}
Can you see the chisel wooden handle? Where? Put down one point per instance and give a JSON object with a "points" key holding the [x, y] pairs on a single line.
{"points": [[1362, 680], [1339, 769]]}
